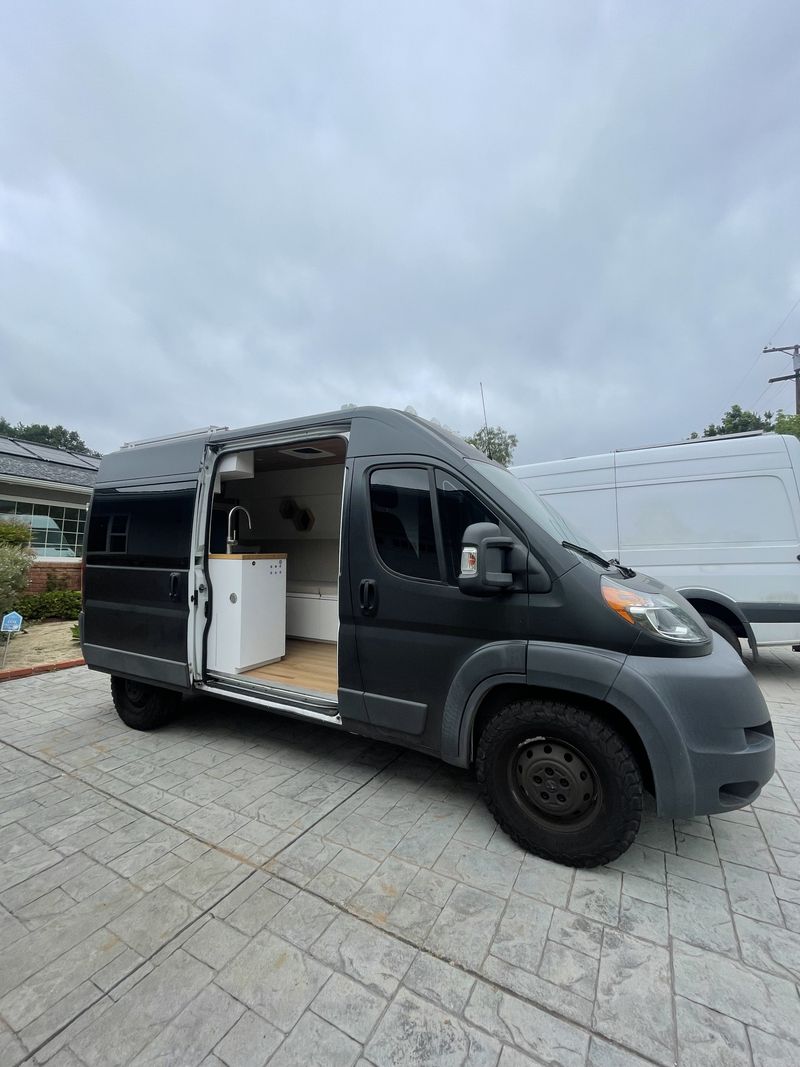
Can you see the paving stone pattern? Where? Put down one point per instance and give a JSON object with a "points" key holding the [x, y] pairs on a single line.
{"points": [[238, 889]]}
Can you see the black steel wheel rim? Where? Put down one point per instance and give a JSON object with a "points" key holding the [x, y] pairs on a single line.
{"points": [[554, 783], [136, 694]]}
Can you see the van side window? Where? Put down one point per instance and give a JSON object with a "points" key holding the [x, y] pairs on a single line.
{"points": [[109, 533], [153, 530], [402, 521], [458, 509], [118, 534]]}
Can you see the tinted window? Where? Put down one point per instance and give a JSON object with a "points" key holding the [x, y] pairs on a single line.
{"points": [[402, 521], [458, 509], [524, 497], [141, 529]]}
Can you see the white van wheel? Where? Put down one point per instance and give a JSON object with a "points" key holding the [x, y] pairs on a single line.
{"points": [[725, 631]]}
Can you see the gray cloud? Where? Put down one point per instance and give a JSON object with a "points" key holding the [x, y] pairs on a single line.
{"points": [[234, 213]]}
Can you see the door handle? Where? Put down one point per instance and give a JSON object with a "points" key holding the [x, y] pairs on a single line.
{"points": [[174, 583], [368, 596]]}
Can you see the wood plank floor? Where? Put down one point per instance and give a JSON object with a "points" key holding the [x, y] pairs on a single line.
{"points": [[307, 664]]}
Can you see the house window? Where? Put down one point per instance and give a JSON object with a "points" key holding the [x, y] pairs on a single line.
{"points": [[56, 530]]}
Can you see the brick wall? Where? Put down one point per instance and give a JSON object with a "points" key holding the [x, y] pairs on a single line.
{"points": [[67, 575]]}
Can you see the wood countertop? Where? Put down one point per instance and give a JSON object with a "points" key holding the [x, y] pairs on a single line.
{"points": [[247, 555]]}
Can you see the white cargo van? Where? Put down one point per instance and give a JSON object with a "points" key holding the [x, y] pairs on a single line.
{"points": [[717, 518]]}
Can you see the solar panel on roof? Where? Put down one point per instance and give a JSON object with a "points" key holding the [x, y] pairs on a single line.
{"points": [[84, 461], [12, 448], [33, 450], [45, 452]]}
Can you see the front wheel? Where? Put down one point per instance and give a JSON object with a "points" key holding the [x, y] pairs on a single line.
{"points": [[725, 631], [560, 781], [141, 706]]}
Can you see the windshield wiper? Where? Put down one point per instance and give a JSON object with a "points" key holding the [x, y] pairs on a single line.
{"points": [[626, 572]]}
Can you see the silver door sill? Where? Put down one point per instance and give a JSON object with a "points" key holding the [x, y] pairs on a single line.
{"points": [[266, 697]]}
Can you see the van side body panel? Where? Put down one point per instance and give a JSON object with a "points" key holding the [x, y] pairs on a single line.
{"points": [[720, 516], [136, 582]]}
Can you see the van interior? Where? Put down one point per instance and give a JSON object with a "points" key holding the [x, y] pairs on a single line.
{"points": [[273, 562]]}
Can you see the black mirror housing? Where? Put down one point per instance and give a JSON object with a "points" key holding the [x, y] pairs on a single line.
{"points": [[484, 560]]}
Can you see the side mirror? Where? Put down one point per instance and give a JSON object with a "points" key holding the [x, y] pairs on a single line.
{"points": [[488, 560]]}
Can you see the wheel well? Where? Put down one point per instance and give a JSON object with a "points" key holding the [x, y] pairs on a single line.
{"points": [[504, 694], [719, 611]]}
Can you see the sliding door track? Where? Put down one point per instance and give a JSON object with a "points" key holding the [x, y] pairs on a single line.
{"points": [[301, 702]]}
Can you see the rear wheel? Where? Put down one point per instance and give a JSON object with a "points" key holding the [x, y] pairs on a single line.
{"points": [[141, 706], [560, 781], [725, 631]]}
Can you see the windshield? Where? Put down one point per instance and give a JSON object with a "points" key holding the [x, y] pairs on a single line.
{"points": [[529, 501]]}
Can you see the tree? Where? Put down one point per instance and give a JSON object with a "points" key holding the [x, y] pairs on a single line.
{"points": [[787, 423], [42, 434], [738, 421], [495, 442]]}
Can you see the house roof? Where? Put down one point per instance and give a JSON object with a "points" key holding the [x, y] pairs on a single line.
{"points": [[26, 459]]}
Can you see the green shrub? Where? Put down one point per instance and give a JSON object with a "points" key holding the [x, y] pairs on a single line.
{"points": [[76, 632], [13, 532], [15, 562], [55, 604]]}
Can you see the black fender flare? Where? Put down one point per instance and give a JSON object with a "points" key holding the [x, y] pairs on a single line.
{"points": [[488, 666], [571, 669], [729, 604]]}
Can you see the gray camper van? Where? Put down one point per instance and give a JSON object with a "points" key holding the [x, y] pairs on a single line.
{"points": [[369, 571]]}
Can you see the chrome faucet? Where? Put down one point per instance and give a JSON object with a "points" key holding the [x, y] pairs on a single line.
{"points": [[231, 539]]}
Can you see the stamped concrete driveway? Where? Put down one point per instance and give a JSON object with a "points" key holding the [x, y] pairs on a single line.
{"points": [[240, 889]]}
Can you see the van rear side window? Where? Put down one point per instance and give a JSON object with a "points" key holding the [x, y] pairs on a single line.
{"points": [[109, 533], [402, 521], [140, 529]]}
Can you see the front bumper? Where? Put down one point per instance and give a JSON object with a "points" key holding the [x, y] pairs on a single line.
{"points": [[705, 727]]}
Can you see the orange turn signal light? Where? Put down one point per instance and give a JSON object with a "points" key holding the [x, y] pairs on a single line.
{"points": [[622, 600]]}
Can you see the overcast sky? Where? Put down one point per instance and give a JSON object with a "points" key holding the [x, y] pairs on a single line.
{"points": [[233, 212]]}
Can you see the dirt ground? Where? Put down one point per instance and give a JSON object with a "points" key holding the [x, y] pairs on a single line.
{"points": [[42, 642]]}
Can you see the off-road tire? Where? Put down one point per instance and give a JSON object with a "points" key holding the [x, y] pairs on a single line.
{"points": [[614, 814], [143, 707], [725, 631]]}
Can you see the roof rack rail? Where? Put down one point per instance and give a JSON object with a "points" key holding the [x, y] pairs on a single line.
{"points": [[697, 440], [202, 431]]}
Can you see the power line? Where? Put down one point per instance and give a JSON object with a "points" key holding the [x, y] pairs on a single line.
{"points": [[767, 388], [753, 365], [763, 393], [746, 376], [784, 320]]}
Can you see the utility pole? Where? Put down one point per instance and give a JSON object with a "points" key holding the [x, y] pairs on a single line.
{"points": [[794, 352]]}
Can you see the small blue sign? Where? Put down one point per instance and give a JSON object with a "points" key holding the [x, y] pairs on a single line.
{"points": [[11, 623]]}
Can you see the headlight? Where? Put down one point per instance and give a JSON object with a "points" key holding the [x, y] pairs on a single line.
{"points": [[658, 613]]}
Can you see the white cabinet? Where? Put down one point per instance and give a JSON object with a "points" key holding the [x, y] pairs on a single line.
{"points": [[248, 615], [312, 617]]}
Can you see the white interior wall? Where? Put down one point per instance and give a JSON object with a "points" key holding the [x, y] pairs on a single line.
{"points": [[312, 555], [317, 488]]}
